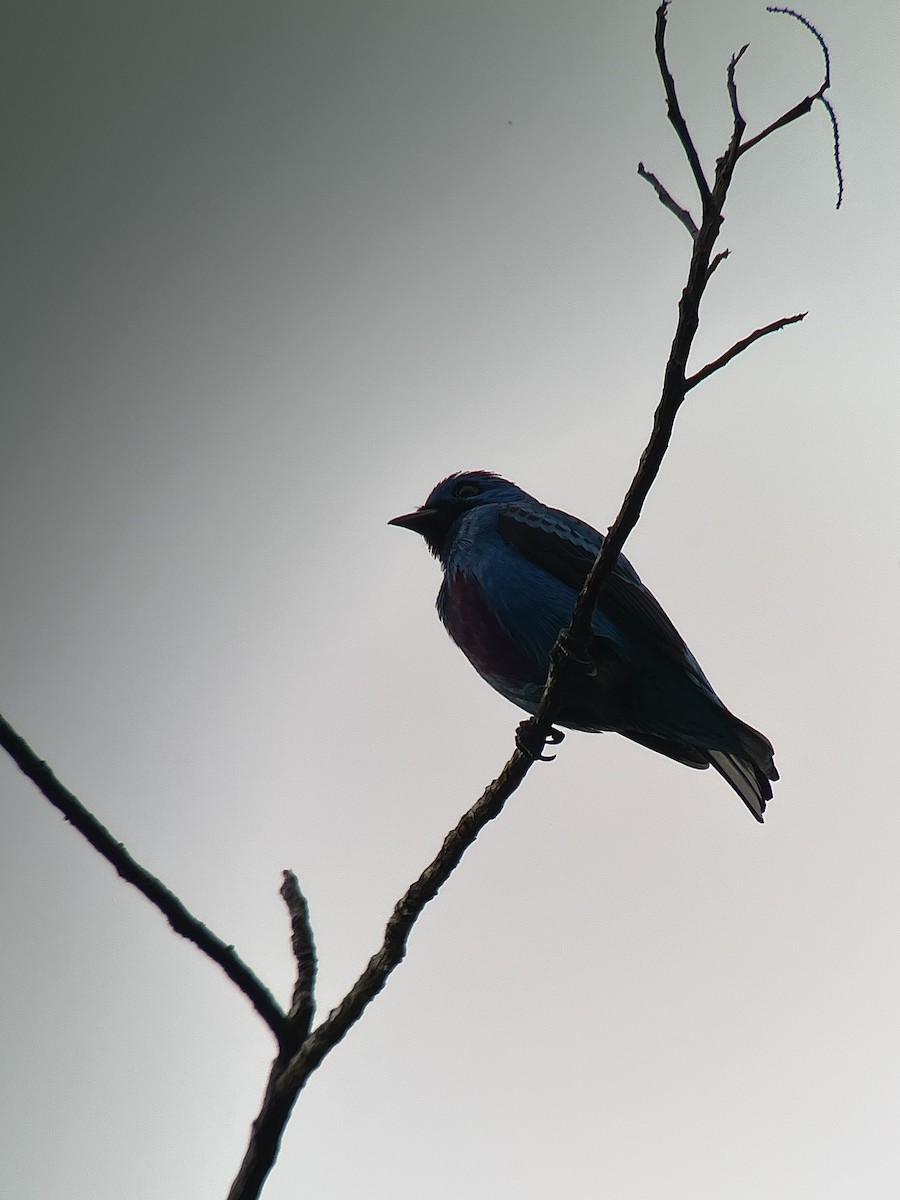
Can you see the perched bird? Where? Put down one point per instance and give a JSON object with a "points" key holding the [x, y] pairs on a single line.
{"points": [[512, 570]]}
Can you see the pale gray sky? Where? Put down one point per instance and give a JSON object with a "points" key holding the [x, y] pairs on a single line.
{"points": [[269, 272]]}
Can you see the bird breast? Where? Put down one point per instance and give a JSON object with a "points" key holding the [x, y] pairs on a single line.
{"points": [[473, 625]]}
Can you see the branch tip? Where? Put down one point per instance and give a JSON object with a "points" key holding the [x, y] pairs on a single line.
{"points": [[676, 117], [667, 200], [717, 262], [739, 122], [837, 150], [739, 347], [807, 24], [304, 948], [179, 917], [302, 1051]]}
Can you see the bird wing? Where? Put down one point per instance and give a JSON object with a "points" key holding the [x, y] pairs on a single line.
{"points": [[566, 547]]}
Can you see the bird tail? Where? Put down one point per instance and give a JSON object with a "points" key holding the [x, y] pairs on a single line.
{"points": [[748, 770], [748, 773]]}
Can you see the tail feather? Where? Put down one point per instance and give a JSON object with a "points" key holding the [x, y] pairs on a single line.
{"points": [[749, 773], [689, 755], [750, 784]]}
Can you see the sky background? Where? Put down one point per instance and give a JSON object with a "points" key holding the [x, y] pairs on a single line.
{"points": [[270, 271]]}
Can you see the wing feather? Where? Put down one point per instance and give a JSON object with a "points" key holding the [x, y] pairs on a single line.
{"points": [[566, 548]]}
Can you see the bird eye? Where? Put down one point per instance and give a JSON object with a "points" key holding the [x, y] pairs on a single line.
{"points": [[465, 491]]}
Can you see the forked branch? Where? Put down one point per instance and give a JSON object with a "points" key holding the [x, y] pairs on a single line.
{"points": [[666, 200], [302, 1048], [569, 647], [724, 359], [182, 921], [676, 117]]}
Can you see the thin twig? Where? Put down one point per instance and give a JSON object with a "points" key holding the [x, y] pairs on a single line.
{"points": [[181, 920], [732, 86], [790, 12], [820, 95], [672, 205], [303, 1005], [717, 262], [302, 1052], [674, 108], [286, 1081], [736, 349], [837, 149], [408, 909], [799, 110]]}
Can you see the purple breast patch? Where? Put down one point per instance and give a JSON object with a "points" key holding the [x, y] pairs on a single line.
{"points": [[477, 632]]}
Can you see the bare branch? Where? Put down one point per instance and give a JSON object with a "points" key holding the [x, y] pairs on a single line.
{"points": [[837, 149], [303, 1005], [302, 1051], [287, 1080], [666, 199], [790, 12], [265, 1136], [732, 86], [799, 110], [568, 654], [181, 920], [717, 262], [572, 644], [806, 104], [408, 909], [736, 349], [674, 108]]}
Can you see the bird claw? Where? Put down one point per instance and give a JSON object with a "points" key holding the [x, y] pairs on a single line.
{"points": [[565, 649], [528, 744]]}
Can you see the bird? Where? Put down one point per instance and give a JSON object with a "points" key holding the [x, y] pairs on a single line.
{"points": [[512, 569]]}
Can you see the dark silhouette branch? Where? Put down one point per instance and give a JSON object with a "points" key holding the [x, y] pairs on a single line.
{"points": [[807, 24], [836, 133], [801, 109], [674, 108], [792, 114], [302, 1049], [303, 1004], [572, 645], [182, 921], [674, 382], [736, 349], [265, 1136], [666, 200], [285, 1082], [732, 87], [717, 262]]}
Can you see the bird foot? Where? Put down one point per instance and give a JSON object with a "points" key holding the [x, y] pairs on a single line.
{"points": [[533, 746], [566, 650]]}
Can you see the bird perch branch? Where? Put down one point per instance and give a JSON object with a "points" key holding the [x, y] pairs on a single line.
{"points": [[301, 1047], [570, 646], [182, 921]]}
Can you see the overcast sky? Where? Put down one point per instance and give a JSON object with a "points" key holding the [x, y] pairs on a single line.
{"points": [[270, 271]]}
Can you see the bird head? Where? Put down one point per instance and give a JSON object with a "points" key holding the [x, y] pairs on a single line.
{"points": [[450, 499]]}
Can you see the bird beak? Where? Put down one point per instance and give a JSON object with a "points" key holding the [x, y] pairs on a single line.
{"points": [[418, 521]]}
